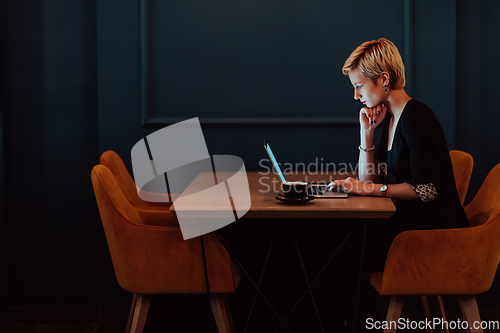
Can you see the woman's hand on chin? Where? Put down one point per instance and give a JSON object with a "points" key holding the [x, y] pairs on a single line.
{"points": [[370, 118]]}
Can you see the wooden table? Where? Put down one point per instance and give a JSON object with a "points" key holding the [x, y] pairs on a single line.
{"points": [[265, 187], [263, 190]]}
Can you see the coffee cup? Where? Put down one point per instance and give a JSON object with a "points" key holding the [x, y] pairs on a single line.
{"points": [[294, 189]]}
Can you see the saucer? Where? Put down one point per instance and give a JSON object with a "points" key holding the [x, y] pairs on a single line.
{"points": [[294, 201]]}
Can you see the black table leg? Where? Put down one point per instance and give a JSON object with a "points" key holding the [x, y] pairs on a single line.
{"points": [[305, 276], [251, 280], [355, 324], [309, 284], [207, 285], [319, 274], [260, 279]]}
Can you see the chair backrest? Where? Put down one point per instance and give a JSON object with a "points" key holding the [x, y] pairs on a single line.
{"points": [[485, 206], [462, 170], [111, 200], [115, 164]]}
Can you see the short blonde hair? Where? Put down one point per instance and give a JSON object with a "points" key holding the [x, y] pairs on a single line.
{"points": [[377, 56]]}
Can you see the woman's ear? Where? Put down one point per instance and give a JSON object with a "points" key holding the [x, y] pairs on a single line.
{"points": [[386, 78]]}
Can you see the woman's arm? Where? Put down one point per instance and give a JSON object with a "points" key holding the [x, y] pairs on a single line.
{"points": [[369, 119], [396, 191], [367, 163]]}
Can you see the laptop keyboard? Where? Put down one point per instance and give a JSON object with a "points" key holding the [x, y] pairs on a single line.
{"points": [[316, 190]]}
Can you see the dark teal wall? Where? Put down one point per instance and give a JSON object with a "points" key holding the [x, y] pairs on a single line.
{"points": [[3, 238], [50, 145], [71, 89], [477, 73]]}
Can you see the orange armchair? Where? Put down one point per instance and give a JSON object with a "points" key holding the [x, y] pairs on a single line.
{"points": [[150, 259], [459, 262], [462, 170]]}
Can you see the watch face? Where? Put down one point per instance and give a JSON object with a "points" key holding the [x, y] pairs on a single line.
{"points": [[383, 188]]}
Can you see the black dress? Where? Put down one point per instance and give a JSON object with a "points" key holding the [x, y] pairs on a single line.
{"points": [[419, 156]]}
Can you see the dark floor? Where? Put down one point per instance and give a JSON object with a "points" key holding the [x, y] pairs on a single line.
{"points": [[89, 320]]}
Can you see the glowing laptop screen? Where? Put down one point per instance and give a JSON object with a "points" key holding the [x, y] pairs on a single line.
{"points": [[273, 159]]}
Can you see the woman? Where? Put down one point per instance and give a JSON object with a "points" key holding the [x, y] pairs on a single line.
{"points": [[411, 162]]}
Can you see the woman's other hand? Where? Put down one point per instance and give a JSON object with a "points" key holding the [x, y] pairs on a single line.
{"points": [[370, 118], [353, 185]]}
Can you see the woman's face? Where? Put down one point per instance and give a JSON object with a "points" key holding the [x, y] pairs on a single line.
{"points": [[368, 93]]}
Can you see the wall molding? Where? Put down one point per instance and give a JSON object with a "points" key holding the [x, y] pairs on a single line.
{"points": [[4, 293], [149, 120], [144, 20], [258, 122], [409, 38]]}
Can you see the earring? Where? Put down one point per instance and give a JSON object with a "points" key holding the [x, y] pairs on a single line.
{"points": [[386, 90]]}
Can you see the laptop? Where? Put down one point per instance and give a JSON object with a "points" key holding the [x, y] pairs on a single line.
{"points": [[316, 190]]}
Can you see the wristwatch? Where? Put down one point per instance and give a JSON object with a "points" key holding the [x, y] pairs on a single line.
{"points": [[383, 190]]}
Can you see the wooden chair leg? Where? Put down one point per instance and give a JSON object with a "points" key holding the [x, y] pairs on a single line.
{"points": [[222, 315], [425, 305], [470, 312], [438, 311], [131, 313], [140, 313], [394, 312], [381, 310]]}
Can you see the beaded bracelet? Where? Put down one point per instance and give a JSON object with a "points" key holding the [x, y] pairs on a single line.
{"points": [[366, 149]]}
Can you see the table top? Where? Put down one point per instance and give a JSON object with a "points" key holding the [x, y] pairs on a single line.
{"points": [[264, 187]]}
